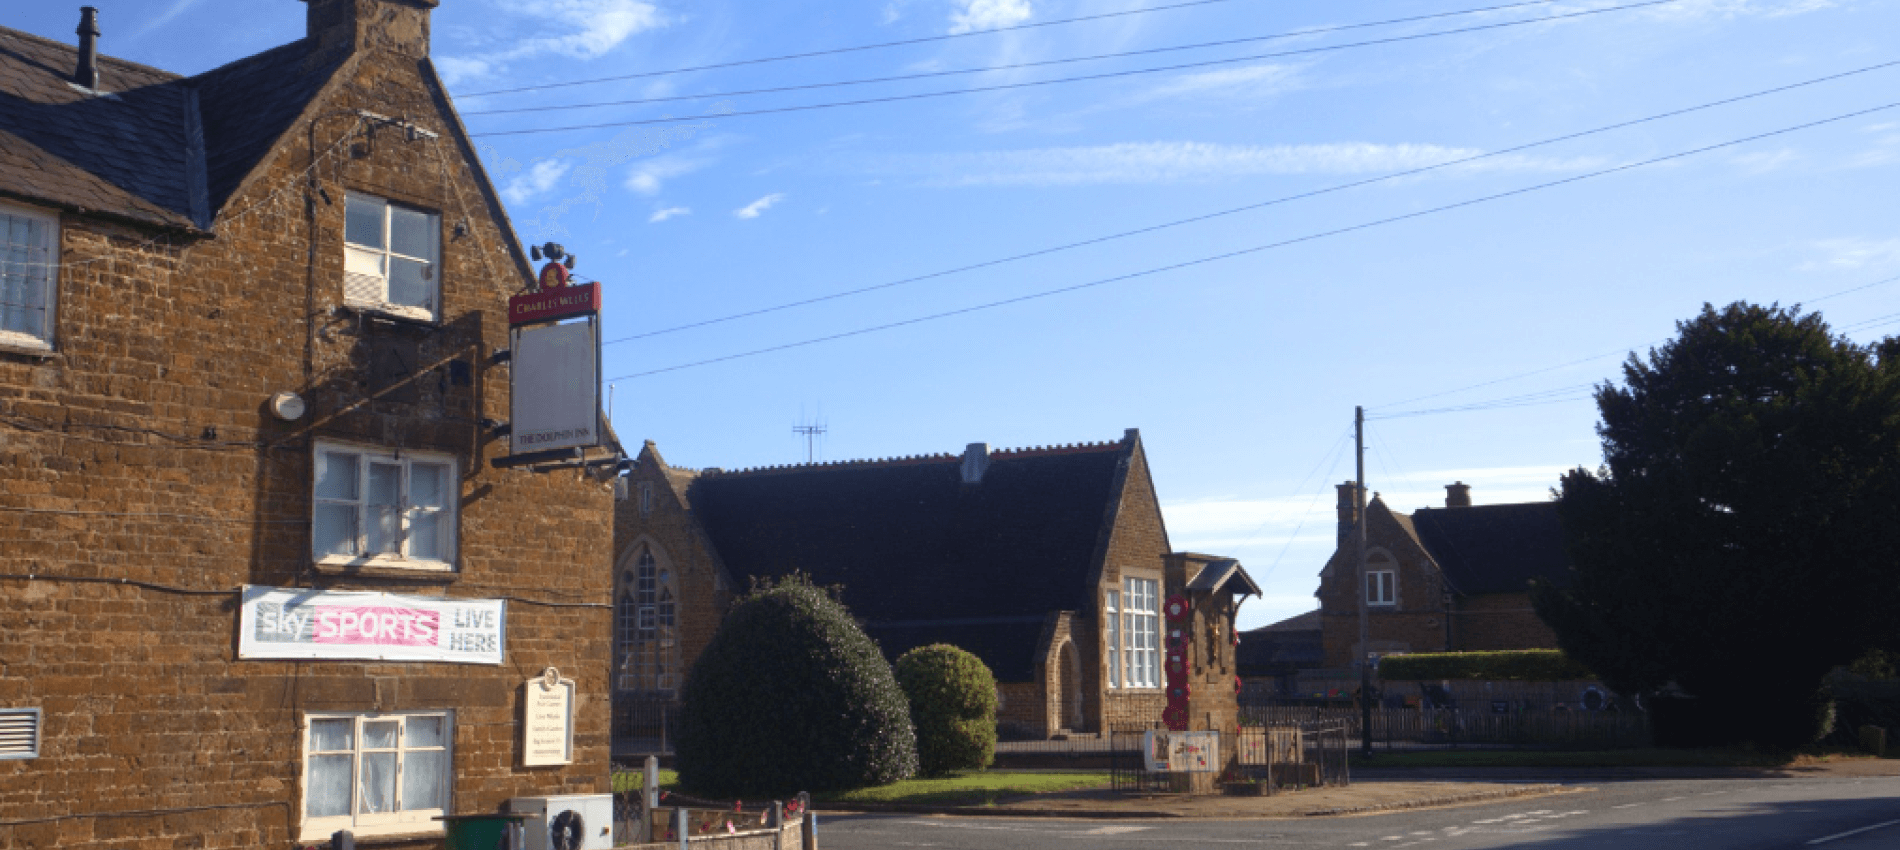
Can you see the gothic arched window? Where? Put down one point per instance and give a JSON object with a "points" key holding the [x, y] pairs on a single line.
{"points": [[646, 628]]}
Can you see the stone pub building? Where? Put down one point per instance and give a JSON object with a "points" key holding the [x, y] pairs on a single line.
{"points": [[260, 579]]}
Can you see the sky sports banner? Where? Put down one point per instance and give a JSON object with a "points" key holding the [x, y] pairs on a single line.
{"points": [[359, 626]]}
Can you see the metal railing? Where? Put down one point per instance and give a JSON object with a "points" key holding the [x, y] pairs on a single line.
{"points": [[1456, 728], [644, 726]]}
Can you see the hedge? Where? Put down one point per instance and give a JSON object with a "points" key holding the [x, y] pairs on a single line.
{"points": [[953, 704], [1522, 665]]}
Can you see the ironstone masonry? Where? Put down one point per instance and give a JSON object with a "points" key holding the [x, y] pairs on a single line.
{"points": [[200, 271]]}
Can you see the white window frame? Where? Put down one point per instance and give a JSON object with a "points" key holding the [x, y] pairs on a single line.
{"points": [[366, 456], [1382, 587], [1112, 636], [399, 822], [25, 262], [364, 287], [1141, 633]]}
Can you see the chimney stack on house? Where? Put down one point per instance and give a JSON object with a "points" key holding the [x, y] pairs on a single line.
{"points": [[1458, 495], [976, 461], [401, 26], [1348, 511], [87, 74]]}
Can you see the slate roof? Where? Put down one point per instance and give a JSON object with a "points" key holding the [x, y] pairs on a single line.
{"points": [[1291, 644], [922, 556], [154, 148], [1495, 548]]}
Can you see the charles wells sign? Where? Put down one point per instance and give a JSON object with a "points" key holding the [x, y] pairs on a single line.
{"points": [[295, 623], [557, 302]]}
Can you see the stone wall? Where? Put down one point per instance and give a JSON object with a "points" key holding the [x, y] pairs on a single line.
{"points": [[141, 451]]}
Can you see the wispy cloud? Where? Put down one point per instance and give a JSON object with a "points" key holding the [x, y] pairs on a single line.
{"points": [[648, 176], [670, 212], [1227, 524], [1763, 162], [544, 175], [758, 207], [1186, 162], [1851, 253], [576, 29], [972, 15], [171, 12], [1690, 9]]}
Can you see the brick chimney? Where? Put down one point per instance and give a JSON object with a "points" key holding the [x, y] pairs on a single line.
{"points": [[400, 26], [1458, 495], [1348, 510], [976, 461]]}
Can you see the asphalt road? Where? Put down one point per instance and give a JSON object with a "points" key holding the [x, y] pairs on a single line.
{"points": [[1721, 814]]}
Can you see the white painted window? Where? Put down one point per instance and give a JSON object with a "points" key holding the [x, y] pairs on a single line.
{"points": [[383, 507], [1141, 633], [646, 614], [1382, 587], [1112, 637], [391, 257], [29, 272], [375, 774]]}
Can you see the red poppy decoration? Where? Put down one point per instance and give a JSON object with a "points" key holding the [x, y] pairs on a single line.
{"points": [[1180, 691], [1176, 717], [1177, 607], [1237, 684]]}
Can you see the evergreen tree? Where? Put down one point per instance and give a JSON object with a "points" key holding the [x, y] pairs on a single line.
{"points": [[1741, 538]]}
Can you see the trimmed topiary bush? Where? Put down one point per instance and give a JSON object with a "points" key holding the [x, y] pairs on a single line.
{"points": [[790, 695], [953, 703]]}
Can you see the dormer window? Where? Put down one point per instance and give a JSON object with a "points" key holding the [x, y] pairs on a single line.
{"points": [[391, 258], [28, 270]]}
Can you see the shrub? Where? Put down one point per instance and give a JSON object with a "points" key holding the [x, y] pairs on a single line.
{"points": [[953, 702], [790, 695], [1524, 665]]}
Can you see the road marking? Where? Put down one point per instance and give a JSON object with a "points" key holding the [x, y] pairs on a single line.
{"points": [[1673, 799], [1826, 839], [1627, 806], [1115, 830]]}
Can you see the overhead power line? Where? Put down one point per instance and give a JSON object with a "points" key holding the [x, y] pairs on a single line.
{"points": [[1019, 65], [1271, 245], [1076, 79], [1651, 344], [878, 46], [1235, 210]]}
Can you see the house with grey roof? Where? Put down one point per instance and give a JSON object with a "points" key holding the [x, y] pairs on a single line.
{"points": [[1455, 578]]}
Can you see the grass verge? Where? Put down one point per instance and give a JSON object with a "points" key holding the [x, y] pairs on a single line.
{"points": [[975, 788]]}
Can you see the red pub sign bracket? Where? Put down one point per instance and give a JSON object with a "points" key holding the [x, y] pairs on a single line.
{"points": [[550, 304]]}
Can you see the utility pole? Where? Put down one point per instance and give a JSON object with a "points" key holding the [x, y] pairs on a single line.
{"points": [[1359, 566]]}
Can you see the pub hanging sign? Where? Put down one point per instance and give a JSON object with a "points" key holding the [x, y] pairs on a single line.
{"points": [[554, 361]]}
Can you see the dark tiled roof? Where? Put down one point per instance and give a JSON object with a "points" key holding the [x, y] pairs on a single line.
{"points": [[1495, 548], [247, 104], [123, 153], [129, 153], [912, 544], [1280, 648], [1005, 644]]}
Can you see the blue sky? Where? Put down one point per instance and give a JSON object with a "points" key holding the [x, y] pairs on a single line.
{"points": [[1241, 373]]}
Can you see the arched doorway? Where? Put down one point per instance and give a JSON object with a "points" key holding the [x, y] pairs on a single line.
{"points": [[1069, 689]]}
